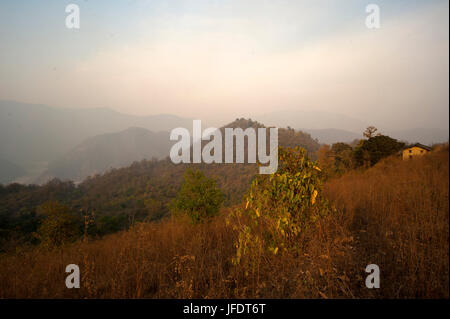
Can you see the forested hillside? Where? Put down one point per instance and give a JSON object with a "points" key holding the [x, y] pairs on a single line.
{"points": [[121, 197]]}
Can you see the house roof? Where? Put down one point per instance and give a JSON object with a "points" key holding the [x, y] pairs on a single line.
{"points": [[419, 145]]}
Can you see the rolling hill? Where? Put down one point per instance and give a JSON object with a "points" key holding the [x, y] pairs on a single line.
{"points": [[142, 189], [100, 153], [31, 134], [97, 154], [38, 142]]}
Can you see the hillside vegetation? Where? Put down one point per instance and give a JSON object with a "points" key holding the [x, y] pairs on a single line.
{"points": [[394, 214], [120, 197]]}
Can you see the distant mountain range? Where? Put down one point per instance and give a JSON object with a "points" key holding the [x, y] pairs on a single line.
{"points": [[332, 135], [97, 154], [427, 136], [420, 135], [32, 136], [312, 120], [330, 128], [39, 142], [9, 171], [38, 133]]}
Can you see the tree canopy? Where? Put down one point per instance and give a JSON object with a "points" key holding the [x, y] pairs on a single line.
{"points": [[370, 151], [199, 197]]}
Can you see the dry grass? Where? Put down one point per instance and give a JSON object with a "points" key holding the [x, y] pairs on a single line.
{"points": [[400, 217], [171, 259], [394, 215]]}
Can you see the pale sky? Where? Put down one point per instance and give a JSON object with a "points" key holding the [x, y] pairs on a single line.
{"points": [[222, 59]]}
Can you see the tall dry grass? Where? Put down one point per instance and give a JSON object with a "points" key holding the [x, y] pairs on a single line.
{"points": [[394, 215], [171, 259], [399, 214]]}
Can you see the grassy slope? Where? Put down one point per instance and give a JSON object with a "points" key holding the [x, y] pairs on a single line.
{"points": [[395, 215]]}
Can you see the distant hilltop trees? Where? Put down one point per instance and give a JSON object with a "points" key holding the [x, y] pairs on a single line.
{"points": [[342, 157]]}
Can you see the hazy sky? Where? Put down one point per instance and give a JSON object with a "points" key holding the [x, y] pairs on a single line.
{"points": [[220, 59]]}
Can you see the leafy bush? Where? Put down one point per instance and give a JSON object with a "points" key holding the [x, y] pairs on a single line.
{"points": [[281, 206], [199, 198]]}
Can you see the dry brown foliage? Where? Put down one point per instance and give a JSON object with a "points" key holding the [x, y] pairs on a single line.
{"points": [[394, 215]]}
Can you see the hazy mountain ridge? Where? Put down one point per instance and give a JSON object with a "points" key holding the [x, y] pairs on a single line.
{"points": [[38, 141], [38, 133], [331, 128], [9, 171], [97, 154], [427, 136], [152, 183], [332, 135], [33, 135], [312, 120]]}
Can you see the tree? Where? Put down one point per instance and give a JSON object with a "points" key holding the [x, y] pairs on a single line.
{"points": [[59, 226], [370, 132], [370, 151], [199, 198]]}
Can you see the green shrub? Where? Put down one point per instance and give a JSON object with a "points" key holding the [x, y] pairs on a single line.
{"points": [[281, 206], [199, 198]]}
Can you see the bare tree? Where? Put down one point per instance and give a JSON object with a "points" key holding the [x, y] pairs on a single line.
{"points": [[370, 132]]}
